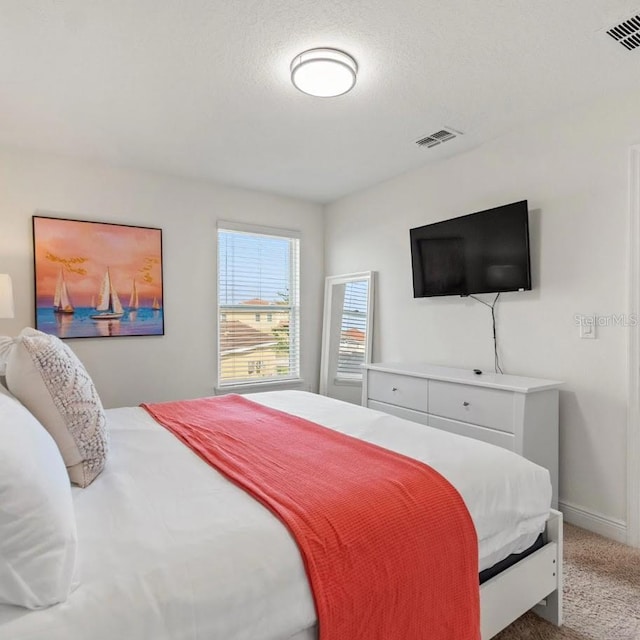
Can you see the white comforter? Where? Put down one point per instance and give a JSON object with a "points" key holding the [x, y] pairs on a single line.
{"points": [[170, 550]]}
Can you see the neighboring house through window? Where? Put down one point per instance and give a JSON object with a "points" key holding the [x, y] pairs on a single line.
{"points": [[258, 273], [352, 347]]}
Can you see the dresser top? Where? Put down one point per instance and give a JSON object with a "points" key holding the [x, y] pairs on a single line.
{"points": [[465, 376]]}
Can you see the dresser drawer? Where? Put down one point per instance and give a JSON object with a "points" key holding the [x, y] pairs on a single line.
{"points": [[478, 405], [404, 391], [499, 438], [399, 412]]}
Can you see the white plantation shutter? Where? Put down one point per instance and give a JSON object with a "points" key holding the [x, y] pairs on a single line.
{"points": [[353, 331], [258, 304]]}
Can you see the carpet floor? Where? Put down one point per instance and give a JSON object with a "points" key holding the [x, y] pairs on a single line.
{"points": [[601, 593]]}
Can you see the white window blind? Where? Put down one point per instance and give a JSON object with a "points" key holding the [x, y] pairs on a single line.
{"points": [[353, 331], [258, 306]]}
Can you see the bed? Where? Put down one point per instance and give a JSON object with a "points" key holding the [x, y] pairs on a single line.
{"points": [[171, 550]]}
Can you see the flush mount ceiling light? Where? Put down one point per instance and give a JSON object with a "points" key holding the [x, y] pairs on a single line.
{"points": [[324, 73]]}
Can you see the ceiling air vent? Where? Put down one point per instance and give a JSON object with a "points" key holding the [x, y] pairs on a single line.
{"points": [[434, 139], [627, 33]]}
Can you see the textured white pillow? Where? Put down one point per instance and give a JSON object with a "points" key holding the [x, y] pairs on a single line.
{"points": [[6, 344], [37, 521], [47, 377]]}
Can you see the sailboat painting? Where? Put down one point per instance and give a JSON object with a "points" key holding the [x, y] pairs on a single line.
{"points": [[85, 272], [61, 302], [109, 306], [134, 301]]}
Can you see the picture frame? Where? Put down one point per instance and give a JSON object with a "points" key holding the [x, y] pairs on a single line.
{"points": [[97, 279]]}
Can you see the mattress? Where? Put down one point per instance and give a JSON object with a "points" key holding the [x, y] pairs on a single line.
{"points": [[170, 550]]}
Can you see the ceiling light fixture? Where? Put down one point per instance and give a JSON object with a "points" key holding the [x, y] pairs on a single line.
{"points": [[324, 73]]}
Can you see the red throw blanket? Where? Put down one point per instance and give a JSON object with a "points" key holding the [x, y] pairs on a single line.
{"points": [[389, 547]]}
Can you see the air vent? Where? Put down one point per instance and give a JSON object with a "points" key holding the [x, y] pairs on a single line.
{"points": [[439, 137], [627, 33]]}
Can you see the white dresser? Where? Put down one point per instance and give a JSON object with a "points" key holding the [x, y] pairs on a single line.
{"points": [[519, 414]]}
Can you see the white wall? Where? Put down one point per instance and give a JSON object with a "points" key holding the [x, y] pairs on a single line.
{"points": [[182, 363], [574, 172]]}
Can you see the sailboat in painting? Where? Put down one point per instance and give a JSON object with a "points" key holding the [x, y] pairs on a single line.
{"points": [[61, 302], [155, 305], [134, 303], [109, 306]]}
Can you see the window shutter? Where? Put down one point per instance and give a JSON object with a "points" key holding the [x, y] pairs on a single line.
{"points": [[258, 306], [353, 331]]}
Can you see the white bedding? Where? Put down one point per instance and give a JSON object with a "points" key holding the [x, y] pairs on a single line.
{"points": [[170, 550]]}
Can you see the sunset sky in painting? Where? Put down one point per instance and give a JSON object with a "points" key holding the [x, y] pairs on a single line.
{"points": [[129, 252]]}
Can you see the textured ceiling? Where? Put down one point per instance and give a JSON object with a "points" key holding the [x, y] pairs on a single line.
{"points": [[201, 87]]}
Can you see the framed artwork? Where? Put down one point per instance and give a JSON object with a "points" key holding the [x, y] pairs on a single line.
{"points": [[97, 279]]}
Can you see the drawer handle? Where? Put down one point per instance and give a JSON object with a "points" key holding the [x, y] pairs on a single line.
{"points": [[465, 404], [394, 388]]}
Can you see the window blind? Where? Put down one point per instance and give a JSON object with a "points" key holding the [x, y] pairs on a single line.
{"points": [[353, 331], [258, 306]]}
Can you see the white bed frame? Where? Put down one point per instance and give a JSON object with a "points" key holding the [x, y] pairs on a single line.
{"points": [[533, 583]]}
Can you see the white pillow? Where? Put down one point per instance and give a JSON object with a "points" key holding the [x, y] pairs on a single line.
{"points": [[37, 522], [6, 344], [47, 377]]}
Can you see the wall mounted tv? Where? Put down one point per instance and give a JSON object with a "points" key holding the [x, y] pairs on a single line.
{"points": [[484, 252]]}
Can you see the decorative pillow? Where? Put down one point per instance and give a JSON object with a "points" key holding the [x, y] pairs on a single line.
{"points": [[37, 521], [47, 377], [4, 391], [6, 344]]}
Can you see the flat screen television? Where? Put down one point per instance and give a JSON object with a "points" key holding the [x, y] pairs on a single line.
{"points": [[484, 252]]}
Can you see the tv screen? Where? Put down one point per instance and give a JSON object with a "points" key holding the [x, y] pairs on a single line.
{"points": [[484, 252]]}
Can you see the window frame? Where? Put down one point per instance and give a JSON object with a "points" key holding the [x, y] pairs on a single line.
{"points": [[295, 324]]}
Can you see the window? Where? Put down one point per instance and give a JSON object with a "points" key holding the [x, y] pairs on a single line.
{"points": [[254, 366], [353, 332], [258, 272]]}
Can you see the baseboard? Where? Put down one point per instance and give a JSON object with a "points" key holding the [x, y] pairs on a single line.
{"points": [[596, 522]]}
